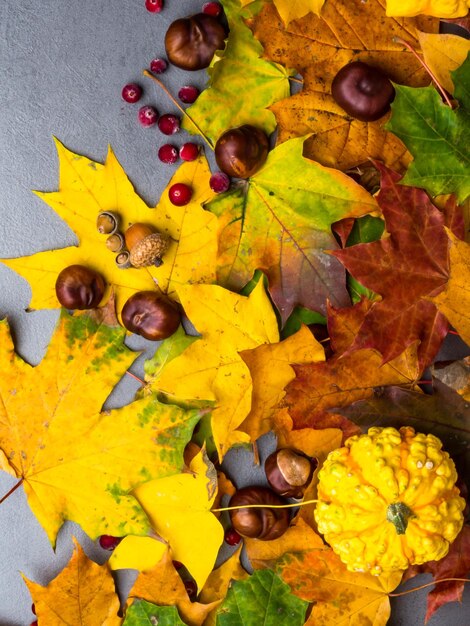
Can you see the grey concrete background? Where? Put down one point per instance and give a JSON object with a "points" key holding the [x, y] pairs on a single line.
{"points": [[62, 68]]}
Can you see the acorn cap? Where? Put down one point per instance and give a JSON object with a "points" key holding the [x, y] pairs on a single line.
{"points": [[149, 250]]}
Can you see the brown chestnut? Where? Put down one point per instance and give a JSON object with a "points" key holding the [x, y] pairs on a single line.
{"points": [[151, 314], [289, 472], [79, 287], [242, 151], [260, 523], [363, 91], [191, 42]]}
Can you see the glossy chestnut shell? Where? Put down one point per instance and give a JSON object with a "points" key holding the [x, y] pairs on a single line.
{"points": [[363, 91], [191, 42], [240, 152], [79, 287], [263, 523], [151, 314], [289, 472]]}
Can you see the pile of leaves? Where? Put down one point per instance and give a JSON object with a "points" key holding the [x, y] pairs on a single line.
{"points": [[323, 290]]}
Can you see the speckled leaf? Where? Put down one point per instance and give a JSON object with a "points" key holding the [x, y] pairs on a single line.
{"points": [[318, 47], [211, 368], [238, 72], [444, 53], [280, 222], [75, 462], [436, 135], [85, 189], [262, 599], [142, 613], [83, 590]]}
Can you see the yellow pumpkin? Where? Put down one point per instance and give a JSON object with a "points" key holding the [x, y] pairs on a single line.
{"points": [[388, 499]]}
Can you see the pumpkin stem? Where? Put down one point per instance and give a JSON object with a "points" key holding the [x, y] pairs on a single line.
{"points": [[399, 514]]}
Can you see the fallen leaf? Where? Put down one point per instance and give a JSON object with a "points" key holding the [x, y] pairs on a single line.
{"points": [[74, 462], [290, 10], [318, 47], [86, 188], [262, 599], [142, 613], [140, 553], [438, 8], [82, 590], [405, 267], [443, 54], [237, 71], [178, 507], [436, 135], [280, 222], [454, 301], [211, 368]]}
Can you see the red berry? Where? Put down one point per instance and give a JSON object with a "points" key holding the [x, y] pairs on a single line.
{"points": [[212, 8], [169, 124], [180, 194], [188, 94], [232, 537], [158, 66], [219, 182], [191, 588], [35, 623], [154, 6], [177, 564], [148, 115], [131, 93], [33, 608], [108, 542], [189, 151], [168, 154]]}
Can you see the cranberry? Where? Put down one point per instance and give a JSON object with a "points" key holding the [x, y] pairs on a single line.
{"points": [[35, 623], [33, 608], [131, 93], [219, 182], [191, 588], [154, 6], [108, 542], [168, 154], [188, 94], [180, 194], [158, 66], [189, 151], [212, 8], [169, 124], [232, 537], [148, 115]]}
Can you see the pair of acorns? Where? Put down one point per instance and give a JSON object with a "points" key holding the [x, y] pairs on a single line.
{"points": [[288, 473], [145, 246]]}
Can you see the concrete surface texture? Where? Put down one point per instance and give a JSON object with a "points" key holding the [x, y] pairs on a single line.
{"points": [[62, 68]]}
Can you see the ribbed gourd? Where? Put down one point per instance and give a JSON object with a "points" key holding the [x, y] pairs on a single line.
{"points": [[388, 499]]}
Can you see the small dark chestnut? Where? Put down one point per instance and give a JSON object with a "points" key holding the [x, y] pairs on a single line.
{"points": [[260, 523], [363, 91], [289, 472], [151, 314], [79, 287], [191, 42], [241, 152]]}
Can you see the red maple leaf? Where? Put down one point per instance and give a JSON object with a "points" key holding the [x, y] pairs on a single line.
{"points": [[405, 267]]}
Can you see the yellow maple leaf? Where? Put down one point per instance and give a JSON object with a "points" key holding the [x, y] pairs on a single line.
{"points": [[211, 368], [73, 461], [291, 10], [454, 301], [87, 188], [82, 590], [438, 8], [443, 54]]}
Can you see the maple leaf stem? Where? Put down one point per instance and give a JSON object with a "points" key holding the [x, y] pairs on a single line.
{"points": [[296, 80], [177, 104], [434, 582], [427, 68], [264, 506], [142, 382], [12, 490]]}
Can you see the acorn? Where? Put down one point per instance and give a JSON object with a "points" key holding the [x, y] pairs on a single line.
{"points": [[145, 245], [289, 472], [122, 260], [115, 242], [191, 42], [241, 152], [263, 523], [107, 223], [79, 287]]}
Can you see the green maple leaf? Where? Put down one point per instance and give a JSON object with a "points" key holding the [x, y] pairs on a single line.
{"points": [[242, 84], [262, 599], [436, 135], [143, 613]]}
